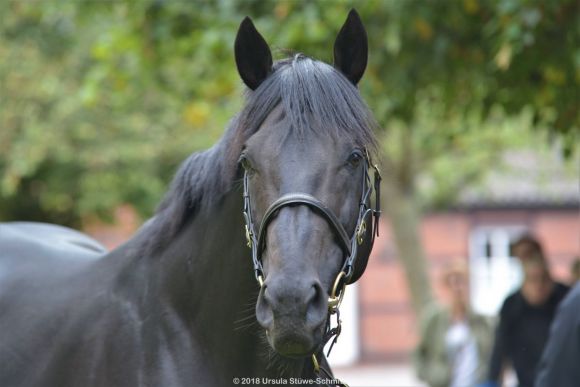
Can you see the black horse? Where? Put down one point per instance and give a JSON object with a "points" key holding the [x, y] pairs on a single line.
{"points": [[174, 306]]}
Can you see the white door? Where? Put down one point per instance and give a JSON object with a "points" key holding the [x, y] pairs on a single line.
{"points": [[494, 273]]}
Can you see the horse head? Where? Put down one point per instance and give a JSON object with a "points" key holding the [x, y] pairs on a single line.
{"points": [[307, 188]]}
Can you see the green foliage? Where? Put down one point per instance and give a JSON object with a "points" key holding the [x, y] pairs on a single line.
{"points": [[100, 101]]}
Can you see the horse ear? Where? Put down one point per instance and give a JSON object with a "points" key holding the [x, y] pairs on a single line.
{"points": [[253, 56], [351, 48]]}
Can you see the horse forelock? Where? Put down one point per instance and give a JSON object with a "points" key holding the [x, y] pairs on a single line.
{"points": [[315, 97]]}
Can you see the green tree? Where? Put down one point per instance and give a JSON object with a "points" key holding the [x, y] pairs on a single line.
{"points": [[101, 101]]}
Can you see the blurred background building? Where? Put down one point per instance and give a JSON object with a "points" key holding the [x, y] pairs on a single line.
{"points": [[531, 195]]}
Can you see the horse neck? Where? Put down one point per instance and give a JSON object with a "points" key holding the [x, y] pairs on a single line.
{"points": [[205, 273], [206, 270], [204, 278]]}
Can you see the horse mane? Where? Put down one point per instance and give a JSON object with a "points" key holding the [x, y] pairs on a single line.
{"points": [[314, 97]]}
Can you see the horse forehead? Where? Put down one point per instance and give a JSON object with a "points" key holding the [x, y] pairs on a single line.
{"points": [[281, 141], [294, 159]]}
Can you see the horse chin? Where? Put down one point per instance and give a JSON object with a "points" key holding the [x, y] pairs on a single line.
{"points": [[293, 348], [295, 343]]}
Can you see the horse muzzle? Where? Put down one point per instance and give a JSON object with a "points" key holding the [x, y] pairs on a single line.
{"points": [[294, 314]]}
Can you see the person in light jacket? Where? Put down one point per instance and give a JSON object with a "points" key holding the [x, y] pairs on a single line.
{"points": [[455, 342]]}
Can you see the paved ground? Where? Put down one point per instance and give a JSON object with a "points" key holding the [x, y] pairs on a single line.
{"points": [[378, 375], [391, 375]]}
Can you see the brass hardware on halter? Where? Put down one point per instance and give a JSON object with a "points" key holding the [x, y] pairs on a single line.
{"points": [[315, 364], [248, 237], [360, 232], [375, 166], [260, 281], [377, 170], [335, 299]]}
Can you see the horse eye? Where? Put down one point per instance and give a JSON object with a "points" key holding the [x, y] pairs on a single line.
{"points": [[246, 163], [355, 158]]}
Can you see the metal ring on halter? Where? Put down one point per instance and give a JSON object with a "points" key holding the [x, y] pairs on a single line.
{"points": [[334, 300]]}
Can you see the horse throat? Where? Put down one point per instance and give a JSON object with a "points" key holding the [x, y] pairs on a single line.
{"points": [[207, 278]]}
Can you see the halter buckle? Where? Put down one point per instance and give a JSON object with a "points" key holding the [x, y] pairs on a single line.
{"points": [[360, 232], [248, 237], [377, 171]]}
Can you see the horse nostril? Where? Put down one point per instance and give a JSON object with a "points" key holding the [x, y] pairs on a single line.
{"points": [[264, 313], [315, 304], [312, 297]]}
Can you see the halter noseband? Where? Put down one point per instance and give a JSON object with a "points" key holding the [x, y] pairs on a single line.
{"points": [[349, 245]]}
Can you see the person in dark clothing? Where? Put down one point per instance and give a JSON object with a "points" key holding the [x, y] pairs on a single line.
{"points": [[560, 362], [527, 246], [524, 324]]}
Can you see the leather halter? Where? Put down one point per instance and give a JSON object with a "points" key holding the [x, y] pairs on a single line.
{"points": [[349, 245]]}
